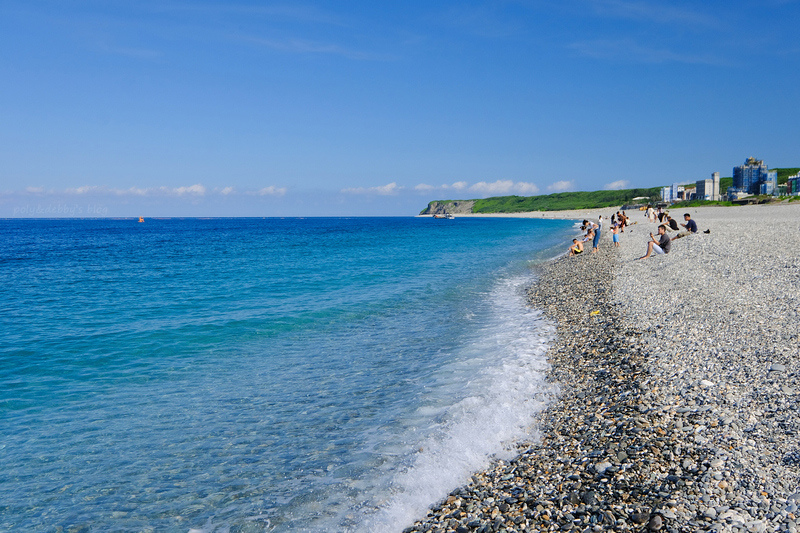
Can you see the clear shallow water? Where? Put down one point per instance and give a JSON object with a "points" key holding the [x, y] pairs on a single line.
{"points": [[260, 374]]}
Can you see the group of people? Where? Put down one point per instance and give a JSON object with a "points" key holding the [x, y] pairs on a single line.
{"points": [[592, 230], [658, 244], [661, 245]]}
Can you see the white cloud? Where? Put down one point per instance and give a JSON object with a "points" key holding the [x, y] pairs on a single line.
{"points": [[523, 187], [196, 189], [85, 190], [187, 191], [134, 191], [561, 186], [193, 190], [457, 186], [271, 191], [497, 187], [505, 187], [383, 190], [616, 185]]}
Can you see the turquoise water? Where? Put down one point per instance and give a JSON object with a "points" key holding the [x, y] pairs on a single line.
{"points": [[261, 374]]}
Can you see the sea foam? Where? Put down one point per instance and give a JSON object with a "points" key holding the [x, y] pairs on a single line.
{"points": [[502, 369]]}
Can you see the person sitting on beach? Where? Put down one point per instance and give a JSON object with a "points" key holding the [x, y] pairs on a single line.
{"points": [[576, 248], [691, 227], [673, 224], [660, 246]]}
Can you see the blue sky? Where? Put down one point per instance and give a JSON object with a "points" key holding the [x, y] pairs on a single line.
{"points": [[179, 108]]}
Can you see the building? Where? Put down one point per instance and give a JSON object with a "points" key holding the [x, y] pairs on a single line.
{"points": [[715, 194], [754, 178], [707, 189], [793, 185], [673, 193]]}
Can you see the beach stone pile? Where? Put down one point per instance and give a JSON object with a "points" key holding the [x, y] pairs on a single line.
{"points": [[678, 408]]}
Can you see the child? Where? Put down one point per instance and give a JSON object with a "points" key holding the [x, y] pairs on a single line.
{"points": [[615, 235], [576, 248]]}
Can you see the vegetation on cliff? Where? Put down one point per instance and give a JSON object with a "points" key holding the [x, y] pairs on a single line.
{"points": [[555, 202]]}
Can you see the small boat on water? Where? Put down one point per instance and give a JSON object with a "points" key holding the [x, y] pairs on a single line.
{"points": [[141, 219], [445, 215]]}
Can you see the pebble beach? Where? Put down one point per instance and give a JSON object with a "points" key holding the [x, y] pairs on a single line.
{"points": [[679, 380]]}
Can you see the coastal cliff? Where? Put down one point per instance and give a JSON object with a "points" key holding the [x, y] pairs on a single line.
{"points": [[454, 207]]}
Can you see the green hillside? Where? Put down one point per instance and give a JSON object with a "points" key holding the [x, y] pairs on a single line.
{"points": [[784, 173], [561, 201], [557, 201], [579, 199]]}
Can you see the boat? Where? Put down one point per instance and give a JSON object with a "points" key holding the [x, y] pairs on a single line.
{"points": [[141, 219], [445, 215]]}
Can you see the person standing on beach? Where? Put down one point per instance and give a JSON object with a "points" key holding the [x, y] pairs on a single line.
{"points": [[615, 235], [660, 246], [594, 232], [596, 241]]}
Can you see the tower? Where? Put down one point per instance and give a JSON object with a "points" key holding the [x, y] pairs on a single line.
{"points": [[715, 186]]}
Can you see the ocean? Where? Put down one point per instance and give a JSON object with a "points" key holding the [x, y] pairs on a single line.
{"points": [[237, 375]]}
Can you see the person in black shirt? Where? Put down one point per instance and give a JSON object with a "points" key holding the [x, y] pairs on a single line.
{"points": [[691, 227], [673, 224], [661, 245]]}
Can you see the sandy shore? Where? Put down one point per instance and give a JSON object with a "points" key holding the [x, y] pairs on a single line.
{"points": [[680, 378]]}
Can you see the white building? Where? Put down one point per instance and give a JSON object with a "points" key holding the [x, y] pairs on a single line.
{"points": [[708, 189], [673, 193]]}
